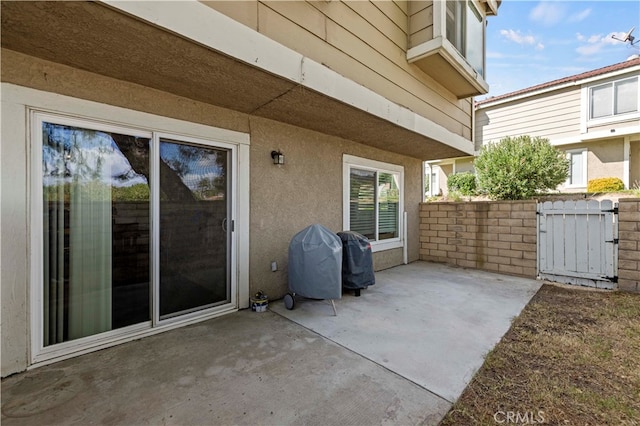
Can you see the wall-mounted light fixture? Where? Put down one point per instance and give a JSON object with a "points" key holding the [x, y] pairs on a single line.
{"points": [[278, 157]]}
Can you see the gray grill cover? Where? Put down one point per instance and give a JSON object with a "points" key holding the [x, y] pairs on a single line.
{"points": [[315, 263]]}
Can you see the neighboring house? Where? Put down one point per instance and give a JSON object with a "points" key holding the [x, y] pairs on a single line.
{"points": [[594, 117], [139, 190]]}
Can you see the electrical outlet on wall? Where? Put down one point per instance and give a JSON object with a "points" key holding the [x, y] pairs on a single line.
{"points": [[274, 266]]}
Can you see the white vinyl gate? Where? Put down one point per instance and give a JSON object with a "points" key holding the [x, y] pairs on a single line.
{"points": [[578, 242]]}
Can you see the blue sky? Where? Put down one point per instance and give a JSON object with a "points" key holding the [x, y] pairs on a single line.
{"points": [[532, 42]]}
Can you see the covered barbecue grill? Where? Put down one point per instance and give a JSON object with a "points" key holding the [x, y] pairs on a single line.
{"points": [[357, 262], [315, 265]]}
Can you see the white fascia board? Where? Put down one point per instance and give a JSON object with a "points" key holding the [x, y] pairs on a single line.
{"points": [[490, 104], [600, 135], [210, 28], [632, 70]]}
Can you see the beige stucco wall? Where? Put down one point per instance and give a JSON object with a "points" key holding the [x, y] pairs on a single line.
{"points": [[306, 190], [445, 170], [604, 158], [634, 164], [464, 165]]}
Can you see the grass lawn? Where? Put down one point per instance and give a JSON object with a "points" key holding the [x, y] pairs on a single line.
{"points": [[572, 357]]}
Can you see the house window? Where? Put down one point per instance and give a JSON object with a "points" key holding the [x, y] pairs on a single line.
{"points": [[373, 201], [465, 30], [614, 98], [577, 168]]}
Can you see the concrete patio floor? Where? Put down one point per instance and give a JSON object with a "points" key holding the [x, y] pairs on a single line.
{"points": [[399, 354]]}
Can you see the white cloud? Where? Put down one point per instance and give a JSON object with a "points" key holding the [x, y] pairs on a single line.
{"points": [[517, 37], [594, 38], [547, 13], [580, 16], [580, 37], [539, 46], [589, 49], [608, 39], [597, 42]]}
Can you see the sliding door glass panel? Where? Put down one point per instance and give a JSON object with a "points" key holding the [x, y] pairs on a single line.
{"points": [[194, 229], [96, 232]]}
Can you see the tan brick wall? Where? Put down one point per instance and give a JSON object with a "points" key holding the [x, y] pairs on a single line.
{"points": [[629, 244], [495, 236], [501, 236]]}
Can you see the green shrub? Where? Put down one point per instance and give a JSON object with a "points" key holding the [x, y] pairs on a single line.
{"points": [[607, 184], [454, 196], [520, 167], [464, 183]]}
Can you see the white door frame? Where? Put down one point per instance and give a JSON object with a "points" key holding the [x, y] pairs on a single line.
{"points": [[39, 105]]}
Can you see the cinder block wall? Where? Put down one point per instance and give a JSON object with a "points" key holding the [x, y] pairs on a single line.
{"points": [[629, 244], [498, 236]]}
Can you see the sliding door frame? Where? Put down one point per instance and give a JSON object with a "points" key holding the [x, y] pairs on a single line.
{"points": [[42, 107]]}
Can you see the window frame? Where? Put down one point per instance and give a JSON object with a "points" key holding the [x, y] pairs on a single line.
{"points": [[440, 30], [569, 153], [613, 117], [352, 162]]}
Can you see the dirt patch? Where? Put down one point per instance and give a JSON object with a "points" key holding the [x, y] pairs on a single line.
{"points": [[571, 357]]}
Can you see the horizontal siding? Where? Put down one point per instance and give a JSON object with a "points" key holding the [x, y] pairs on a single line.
{"points": [[243, 11], [553, 116], [364, 41], [403, 5], [420, 22], [372, 15]]}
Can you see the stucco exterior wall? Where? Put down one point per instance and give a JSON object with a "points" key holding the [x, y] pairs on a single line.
{"points": [[307, 189], [464, 165], [634, 164], [604, 157]]}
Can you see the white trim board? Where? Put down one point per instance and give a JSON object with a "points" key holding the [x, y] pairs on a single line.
{"points": [[599, 135]]}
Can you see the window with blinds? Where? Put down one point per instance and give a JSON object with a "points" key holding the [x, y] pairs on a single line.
{"points": [[363, 202], [374, 200]]}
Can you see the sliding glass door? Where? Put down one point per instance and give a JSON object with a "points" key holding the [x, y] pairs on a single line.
{"points": [[136, 228], [194, 228]]}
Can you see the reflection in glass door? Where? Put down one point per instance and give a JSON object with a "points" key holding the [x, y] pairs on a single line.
{"points": [[95, 187], [128, 218], [194, 234]]}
